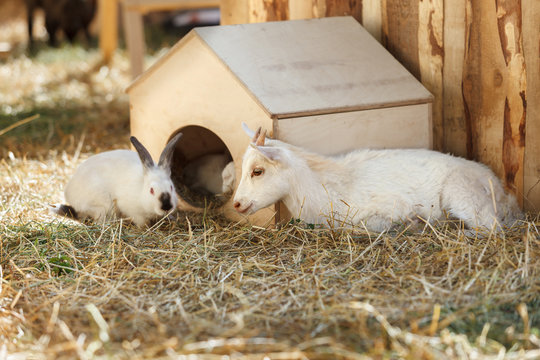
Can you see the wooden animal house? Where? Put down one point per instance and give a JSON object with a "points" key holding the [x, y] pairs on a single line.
{"points": [[323, 84]]}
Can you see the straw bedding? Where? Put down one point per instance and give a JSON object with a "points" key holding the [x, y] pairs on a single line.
{"points": [[200, 287]]}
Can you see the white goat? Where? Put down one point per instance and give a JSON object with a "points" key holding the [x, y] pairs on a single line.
{"points": [[377, 188]]}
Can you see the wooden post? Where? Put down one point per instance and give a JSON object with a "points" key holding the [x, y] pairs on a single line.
{"points": [[494, 89], [134, 35], [531, 51], [455, 131], [108, 28], [430, 58], [372, 17]]}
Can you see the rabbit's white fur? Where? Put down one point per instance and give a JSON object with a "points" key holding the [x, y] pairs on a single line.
{"points": [[211, 174], [122, 183], [375, 187]]}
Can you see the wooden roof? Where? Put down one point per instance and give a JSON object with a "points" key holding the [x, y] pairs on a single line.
{"points": [[312, 66]]}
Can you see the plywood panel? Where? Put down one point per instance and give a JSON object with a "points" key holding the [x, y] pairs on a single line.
{"points": [[399, 127], [531, 51], [207, 95], [316, 66]]}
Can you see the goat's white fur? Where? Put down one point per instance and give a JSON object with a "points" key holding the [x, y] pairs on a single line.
{"points": [[376, 188]]}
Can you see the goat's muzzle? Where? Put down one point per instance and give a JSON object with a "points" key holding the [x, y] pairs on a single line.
{"points": [[238, 207]]}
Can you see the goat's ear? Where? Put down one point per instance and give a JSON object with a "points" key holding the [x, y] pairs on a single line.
{"points": [[271, 153], [247, 130]]}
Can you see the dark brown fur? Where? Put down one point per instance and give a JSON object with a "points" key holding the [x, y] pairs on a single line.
{"points": [[68, 16]]}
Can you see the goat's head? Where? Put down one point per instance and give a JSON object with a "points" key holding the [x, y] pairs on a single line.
{"points": [[263, 181]]}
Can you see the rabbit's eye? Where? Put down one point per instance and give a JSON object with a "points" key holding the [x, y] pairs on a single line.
{"points": [[152, 191]]}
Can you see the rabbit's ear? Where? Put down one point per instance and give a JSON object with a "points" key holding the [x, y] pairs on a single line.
{"points": [[166, 156], [146, 159]]}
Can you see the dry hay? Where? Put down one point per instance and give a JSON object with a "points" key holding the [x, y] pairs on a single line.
{"points": [[201, 287]]}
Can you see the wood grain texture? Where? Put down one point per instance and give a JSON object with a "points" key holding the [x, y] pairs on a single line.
{"points": [[430, 59], [531, 50], [344, 8], [372, 17], [494, 88], [320, 66], [455, 133], [400, 32], [262, 11], [108, 30], [233, 12], [134, 33]]}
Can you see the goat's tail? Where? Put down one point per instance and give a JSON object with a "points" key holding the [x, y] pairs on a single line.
{"points": [[64, 210]]}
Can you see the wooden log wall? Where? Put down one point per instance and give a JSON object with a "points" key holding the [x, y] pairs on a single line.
{"points": [[479, 58]]}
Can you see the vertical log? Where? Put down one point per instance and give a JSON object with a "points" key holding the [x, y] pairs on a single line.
{"points": [[274, 10], [531, 50], [344, 8], [455, 133], [234, 12], [430, 58], [108, 28], [494, 88], [372, 17], [400, 32], [301, 10]]}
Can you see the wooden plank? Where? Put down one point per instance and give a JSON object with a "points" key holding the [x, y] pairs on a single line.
{"points": [[400, 32], [234, 12], [359, 129], [262, 11], [145, 6], [108, 28], [430, 58], [202, 92], [372, 18], [301, 10], [455, 133], [531, 51], [313, 67], [344, 8], [134, 35], [494, 88]]}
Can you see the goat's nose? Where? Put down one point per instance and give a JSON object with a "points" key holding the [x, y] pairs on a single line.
{"points": [[236, 205]]}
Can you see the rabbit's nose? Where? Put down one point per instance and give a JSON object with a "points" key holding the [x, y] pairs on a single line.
{"points": [[237, 205], [165, 199]]}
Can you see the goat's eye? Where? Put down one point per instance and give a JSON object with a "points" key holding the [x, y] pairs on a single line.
{"points": [[257, 172], [152, 190]]}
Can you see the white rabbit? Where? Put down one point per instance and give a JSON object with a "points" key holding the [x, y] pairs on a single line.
{"points": [[210, 174], [120, 183]]}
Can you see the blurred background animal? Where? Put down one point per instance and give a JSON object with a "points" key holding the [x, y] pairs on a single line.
{"points": [[68, 16]]}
